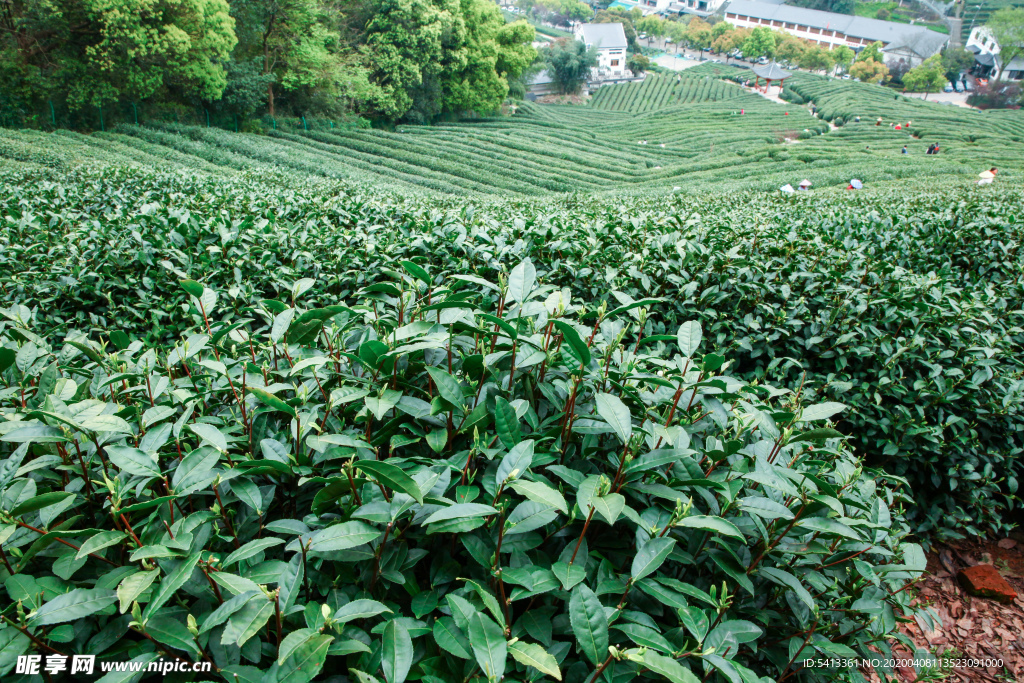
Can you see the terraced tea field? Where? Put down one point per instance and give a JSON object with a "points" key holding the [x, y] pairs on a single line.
{"points": [[666, 133], [657, 91]]}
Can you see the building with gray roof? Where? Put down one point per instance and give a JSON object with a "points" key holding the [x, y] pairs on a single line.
{"points": [[900, 42], [610, 42]]}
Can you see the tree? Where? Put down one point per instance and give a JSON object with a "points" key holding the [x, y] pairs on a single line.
{"points": [[882, 14], [652, 25], [996, 95], [926, 77], [579, 11], [569, 63], [246, 90], [790, 48], [698, 34], [96, 52], [843, 56], [677, 32], [955, 61], [869, 71], [295, 46], [872, 52], [897, 71], [720, 29], [816, 58], [1007, 27], [760, 43], [637, 63], [494, 51], [404, 40], [730, 40]]}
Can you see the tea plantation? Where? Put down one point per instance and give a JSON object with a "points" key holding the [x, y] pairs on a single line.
{"points": [[682, 132], [510, 398]]}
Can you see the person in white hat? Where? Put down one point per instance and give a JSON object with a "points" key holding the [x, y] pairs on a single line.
{"points": [[987, 176], [805, 184]]}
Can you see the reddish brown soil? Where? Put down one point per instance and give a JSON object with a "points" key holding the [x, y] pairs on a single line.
{"points": [[972, 628]]}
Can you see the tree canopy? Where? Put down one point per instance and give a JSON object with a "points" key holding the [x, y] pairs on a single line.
{"points": [[95, 51], [391, 59], [869, 71], [760, 43], [872, 52], [926, 77], [569, 63]]}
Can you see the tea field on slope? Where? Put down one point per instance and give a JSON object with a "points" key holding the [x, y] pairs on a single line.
{"points": [[682, 132], [486, 399]]}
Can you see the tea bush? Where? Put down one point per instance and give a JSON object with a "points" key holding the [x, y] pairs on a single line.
{"points": [[909, 312], [447, 478]]}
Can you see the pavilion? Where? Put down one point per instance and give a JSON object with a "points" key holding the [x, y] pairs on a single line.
{"points": [[770, 72]]}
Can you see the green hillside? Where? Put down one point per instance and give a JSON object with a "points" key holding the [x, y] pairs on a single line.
{"points": [[692, 126]]}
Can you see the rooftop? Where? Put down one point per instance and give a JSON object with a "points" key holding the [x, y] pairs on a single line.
{"points": [[772, 72], [604, 36]]}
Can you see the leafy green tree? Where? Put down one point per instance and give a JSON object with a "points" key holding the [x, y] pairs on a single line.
{"points": [[760, 43], [869, 71], [730, 40], [637, 63], [1007, 27], [698, 34], [816, 58], [872, 52], [926, 77], [676, 30], [579, 11], [98, 51], [653, 26], [405, 40], [955, 61], [569, 63], [720, 29], [493, 52], [435, 56], [790, 48], [843, 57], [292, 42], [246, 90]]}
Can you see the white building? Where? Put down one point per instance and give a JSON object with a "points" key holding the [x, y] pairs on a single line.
{"points": [[900, 42], [986, 57], [610, 41]]}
